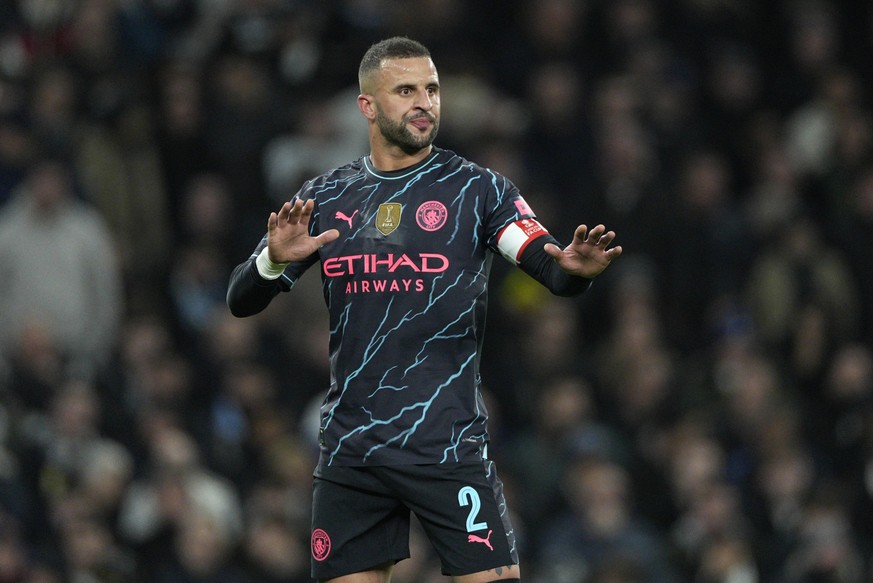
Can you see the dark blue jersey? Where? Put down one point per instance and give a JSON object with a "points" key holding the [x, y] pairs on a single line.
{"points": [[406, 288]]}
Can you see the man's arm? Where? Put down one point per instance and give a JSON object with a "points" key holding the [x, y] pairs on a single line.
{"points": [[248, 292], [543, 268], [255, 282], [569, 271]]}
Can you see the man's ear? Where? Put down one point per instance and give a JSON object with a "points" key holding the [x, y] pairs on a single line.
{"points": [[365, 104]]}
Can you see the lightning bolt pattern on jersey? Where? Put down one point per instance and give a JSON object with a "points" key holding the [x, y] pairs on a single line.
{"points": [[406, 289]]}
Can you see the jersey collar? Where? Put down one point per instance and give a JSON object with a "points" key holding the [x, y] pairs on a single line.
{"points": [[403, 172]]}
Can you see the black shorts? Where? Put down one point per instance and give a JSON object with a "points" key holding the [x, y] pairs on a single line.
{"points": [[361, 517]]}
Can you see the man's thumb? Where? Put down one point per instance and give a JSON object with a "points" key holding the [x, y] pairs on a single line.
{"points": [[327, 237], [552, 250]]}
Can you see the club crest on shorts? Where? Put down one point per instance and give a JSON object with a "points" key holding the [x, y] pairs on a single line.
{"points": [[388, 217], [431, 215], [320, 545]]}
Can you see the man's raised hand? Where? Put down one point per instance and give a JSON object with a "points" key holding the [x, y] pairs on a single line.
{"points": [[288, 237], [589, 252]]}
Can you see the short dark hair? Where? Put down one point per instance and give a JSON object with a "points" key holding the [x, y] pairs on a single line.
{"points": [[398, 47]]}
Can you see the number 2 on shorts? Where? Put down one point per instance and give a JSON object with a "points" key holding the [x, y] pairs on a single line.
{"points": [[468, 496]]}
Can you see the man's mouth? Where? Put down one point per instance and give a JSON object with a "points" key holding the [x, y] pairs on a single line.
{"points": [[421, 123]]}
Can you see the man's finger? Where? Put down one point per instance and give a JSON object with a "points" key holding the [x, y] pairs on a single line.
{"points": [[595, 234], [327, 237], [306, 211]]}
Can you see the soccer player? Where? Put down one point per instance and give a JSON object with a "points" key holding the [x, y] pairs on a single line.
{"points": [[404, 238]]}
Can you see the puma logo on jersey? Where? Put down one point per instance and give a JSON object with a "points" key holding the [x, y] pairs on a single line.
{"points": [[472, 538], [345, 217]]}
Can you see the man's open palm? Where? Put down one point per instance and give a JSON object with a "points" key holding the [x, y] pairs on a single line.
{"points": [[288, 237], [589, 252]]}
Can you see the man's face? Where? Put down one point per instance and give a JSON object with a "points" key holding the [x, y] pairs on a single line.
{"points": [[406, 99], [49, 185]]}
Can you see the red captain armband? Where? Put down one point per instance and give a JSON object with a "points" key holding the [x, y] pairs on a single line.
{"points": [[516, 236]]}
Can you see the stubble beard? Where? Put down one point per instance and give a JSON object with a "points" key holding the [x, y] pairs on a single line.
{"points": [[398, 134]]}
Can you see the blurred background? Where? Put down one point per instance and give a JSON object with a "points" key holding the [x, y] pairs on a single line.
{"points": [[703, 414]]}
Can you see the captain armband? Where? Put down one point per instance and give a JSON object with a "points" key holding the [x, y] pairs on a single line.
{"points": [[516, 236], [266, 268]]}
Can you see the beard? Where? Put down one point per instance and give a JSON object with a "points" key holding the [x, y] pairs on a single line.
{"points": [[397, 134]]}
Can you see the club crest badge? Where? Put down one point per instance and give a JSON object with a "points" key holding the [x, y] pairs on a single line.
{"points": [[431, 215], [388, 217], [320, 545]]}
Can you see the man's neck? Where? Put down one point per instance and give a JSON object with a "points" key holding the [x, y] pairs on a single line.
{"points": [[387, 160]]}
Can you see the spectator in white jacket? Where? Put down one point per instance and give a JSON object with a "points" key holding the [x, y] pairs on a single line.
{"points": [[58, 271]]}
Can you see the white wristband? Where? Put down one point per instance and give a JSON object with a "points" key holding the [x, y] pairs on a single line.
{"points": [[266, 268]]}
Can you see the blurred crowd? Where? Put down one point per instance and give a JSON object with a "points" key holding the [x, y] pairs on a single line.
{"points": [[703, 414]]}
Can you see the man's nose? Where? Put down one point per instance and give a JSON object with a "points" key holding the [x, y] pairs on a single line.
{"points": [[423, 101]]}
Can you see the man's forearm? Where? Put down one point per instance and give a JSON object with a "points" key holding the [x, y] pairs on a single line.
{"points": [[542, 267], [248, 293]]}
